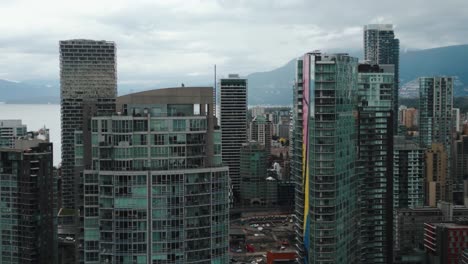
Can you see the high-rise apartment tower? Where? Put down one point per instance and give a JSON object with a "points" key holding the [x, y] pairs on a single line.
{"points": [[324, 158], [435, 111], [157, 191], [88, 86], [375, 154], [408, 174], [381, 47], [28, 210], [436, 127]]}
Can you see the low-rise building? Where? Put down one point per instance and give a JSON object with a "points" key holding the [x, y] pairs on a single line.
{"points": [[445, 242], [409, 228], [274, 257]]}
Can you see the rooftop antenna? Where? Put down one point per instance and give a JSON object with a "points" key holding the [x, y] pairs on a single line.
{"points": [[214, 92]]}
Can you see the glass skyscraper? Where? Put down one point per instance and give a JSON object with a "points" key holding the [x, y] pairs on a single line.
{"points": [[88, 86], [28, 211], [436, 127], [435, 110], [381, 47], [324, 158], [157, 191], [297, 149], [233, 120], [460, 167], [375, 166], [253, 172]]}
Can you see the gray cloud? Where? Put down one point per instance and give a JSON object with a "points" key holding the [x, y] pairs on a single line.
{"points": [[178, 40]]}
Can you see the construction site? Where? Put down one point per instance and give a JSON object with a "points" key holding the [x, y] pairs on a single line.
{"points": [[254, 237]]}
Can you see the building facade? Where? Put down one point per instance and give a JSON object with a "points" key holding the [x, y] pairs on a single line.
{"points": [[460, 167], [464, 257], [28, 208], [257, 111], [297, 150], [408, 174], [157, 191], [88, 86], [253, 172], [445, 242], [435, 111], [381, 47], [436, 126], [10, 130], [437, 184], [410, 118], [409, 229], [282, 130], [261, 131], [375, 162], [456, 120], [327, 186], [233, 120]]}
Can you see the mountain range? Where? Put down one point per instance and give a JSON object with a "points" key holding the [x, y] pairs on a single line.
{"points": [[275, 87]]}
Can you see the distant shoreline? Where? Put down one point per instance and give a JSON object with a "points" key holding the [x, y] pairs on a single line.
{"points": [[29, 103]]}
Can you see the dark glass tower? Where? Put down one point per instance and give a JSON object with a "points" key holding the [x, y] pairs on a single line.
{"points": [[460, 167], [381, 47], [28, 203], [233, 120], [375, 166], [88, 86]]}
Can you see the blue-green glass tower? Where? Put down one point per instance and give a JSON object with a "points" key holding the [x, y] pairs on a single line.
{"points": [[157, 191], [325, 157]]}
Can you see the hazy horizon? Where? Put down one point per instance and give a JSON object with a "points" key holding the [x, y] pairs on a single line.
{"points": [[161, 41]]}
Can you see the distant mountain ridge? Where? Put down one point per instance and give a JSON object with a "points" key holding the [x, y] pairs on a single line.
{"points": [[29, 92], [448, 61], [272, 87], [275, 87]]}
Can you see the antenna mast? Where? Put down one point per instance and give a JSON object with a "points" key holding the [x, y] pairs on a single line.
{"points": [[214, 92]]}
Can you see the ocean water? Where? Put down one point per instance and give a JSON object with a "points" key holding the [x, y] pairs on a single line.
{"points": [[36, 116]]}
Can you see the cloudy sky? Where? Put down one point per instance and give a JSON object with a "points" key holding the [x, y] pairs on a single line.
{"points": [[160, 40]]}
